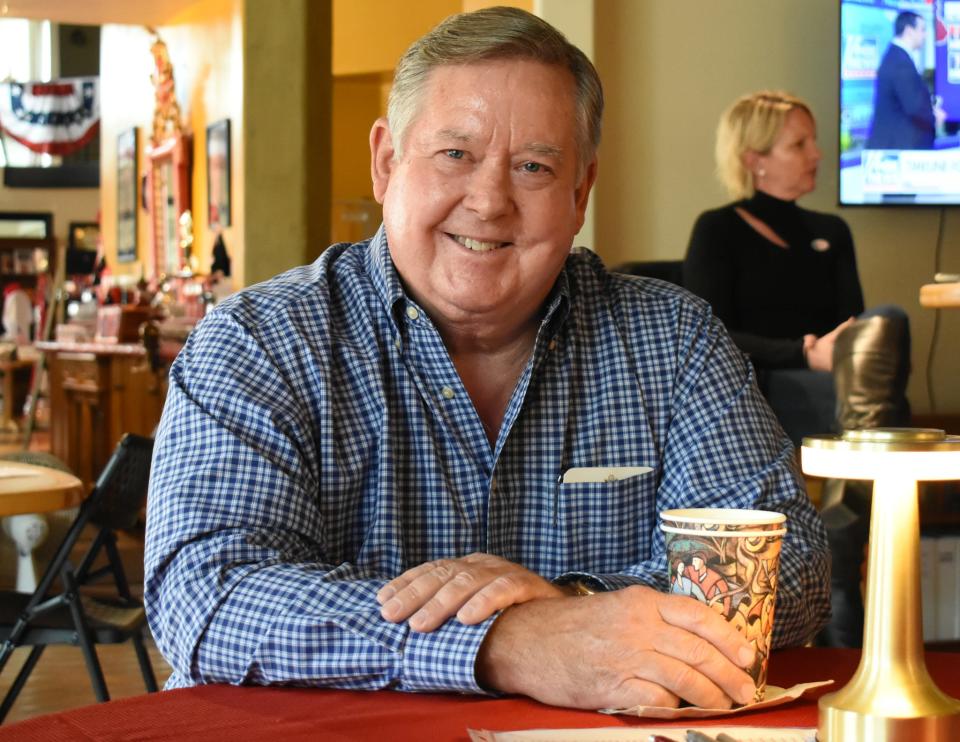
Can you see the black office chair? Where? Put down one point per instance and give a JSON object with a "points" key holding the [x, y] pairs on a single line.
{"points": [[63, 614]]}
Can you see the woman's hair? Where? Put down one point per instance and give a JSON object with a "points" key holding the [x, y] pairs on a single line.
{"points": [[490, 34], [753, 122]]}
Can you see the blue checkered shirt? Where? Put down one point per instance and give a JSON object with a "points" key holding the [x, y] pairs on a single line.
{"points": [[317, 441]]}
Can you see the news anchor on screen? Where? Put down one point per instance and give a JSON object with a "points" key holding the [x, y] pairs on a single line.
{"points": [[903, 115]]}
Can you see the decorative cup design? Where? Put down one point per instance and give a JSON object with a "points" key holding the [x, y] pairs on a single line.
{"points": [[734, 571]]}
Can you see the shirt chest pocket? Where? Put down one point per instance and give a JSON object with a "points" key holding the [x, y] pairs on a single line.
{"points": [[605, 526]]}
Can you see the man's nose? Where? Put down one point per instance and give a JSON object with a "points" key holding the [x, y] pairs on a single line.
{"points": [[488, 192]]}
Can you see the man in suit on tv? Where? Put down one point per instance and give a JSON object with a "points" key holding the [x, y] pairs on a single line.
{"points": [[903, 115]]}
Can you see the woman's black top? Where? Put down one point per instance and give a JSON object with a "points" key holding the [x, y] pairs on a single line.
{"points": [[769, 296]]}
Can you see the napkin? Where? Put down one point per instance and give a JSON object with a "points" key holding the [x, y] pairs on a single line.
{"points": [[642, 734], [775, 696]]}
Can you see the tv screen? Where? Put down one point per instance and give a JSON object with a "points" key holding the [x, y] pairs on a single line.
{"points": [[899, 102]]}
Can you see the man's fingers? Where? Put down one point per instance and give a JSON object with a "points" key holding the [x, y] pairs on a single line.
{"points": [[421, 585], [446, 602], [497, 595], [640, 692], [685, 681], [701, 656], [431, 593], [708, 624], [398, 583]]}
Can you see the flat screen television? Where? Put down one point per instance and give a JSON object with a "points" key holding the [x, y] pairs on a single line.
{"points": [[894, 147]]}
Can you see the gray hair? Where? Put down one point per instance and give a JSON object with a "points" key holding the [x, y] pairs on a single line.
{"points": [[487, 34], [753, 122]]}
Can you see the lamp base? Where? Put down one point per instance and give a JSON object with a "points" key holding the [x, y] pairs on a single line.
{"points": [[847, 725]]}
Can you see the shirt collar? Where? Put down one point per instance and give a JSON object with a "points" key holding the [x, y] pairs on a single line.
{"points": [[380, 268]]}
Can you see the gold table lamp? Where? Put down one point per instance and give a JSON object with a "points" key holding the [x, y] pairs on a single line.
{"points": [[891, 696]]}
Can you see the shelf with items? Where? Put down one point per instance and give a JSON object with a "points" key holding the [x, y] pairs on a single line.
{"points": [[25, 259], [27, 254]]}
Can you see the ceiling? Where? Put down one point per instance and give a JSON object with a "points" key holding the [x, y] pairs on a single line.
{"points": [[96, 12]]}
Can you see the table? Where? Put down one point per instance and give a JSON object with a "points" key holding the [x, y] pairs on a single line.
{"points": [[237, 714], [940, 295], [98, 392], [36, 489], [32, 490]]}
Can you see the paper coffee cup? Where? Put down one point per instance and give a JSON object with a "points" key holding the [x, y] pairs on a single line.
{"points": [[723, 519], [734, 571]]}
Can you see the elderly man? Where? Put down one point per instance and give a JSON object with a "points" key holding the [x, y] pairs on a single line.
{"points": [[434, 460]]}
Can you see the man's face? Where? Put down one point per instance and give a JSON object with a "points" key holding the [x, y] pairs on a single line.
{"points": [[916, 34], [482, 208]]}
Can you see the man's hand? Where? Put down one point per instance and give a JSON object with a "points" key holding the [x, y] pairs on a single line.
{"points": [[472, 588], [617, 649], [939, 114]]}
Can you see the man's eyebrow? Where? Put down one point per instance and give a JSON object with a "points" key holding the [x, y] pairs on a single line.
{"points": [[538, 148], [454, 134], [544, 150]]}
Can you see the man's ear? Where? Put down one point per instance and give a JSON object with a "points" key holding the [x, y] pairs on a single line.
{"points": [[381, 157], [581, 193]]}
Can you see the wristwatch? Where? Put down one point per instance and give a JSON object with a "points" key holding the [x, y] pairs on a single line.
{"points": [[581, 585]]}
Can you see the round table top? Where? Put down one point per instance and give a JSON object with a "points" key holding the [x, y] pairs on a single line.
{"points": [[25, 488]]}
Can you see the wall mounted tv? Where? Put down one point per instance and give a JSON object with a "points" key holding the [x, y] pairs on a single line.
{"points": [[899, 102]]}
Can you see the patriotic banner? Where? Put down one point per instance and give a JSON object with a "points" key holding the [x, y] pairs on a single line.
{"points": [[57, 117]]}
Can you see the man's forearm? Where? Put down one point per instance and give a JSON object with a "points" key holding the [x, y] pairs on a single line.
{"points": [[276, 623]]}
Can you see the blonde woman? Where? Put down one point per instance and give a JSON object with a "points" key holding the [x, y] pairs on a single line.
{"points": [[784, 281], [784, 278]]}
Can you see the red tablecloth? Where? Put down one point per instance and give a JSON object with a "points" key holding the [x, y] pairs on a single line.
{"points": [[234, 714]]}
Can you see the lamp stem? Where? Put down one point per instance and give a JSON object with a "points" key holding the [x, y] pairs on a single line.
{"points": [[893, 629], [891, 696]]}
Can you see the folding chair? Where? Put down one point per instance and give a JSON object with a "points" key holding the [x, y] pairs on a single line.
{"points": [[63, 614]]}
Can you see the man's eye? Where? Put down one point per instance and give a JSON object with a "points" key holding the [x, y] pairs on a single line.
{"points": [[456, 154], [532, 167]]}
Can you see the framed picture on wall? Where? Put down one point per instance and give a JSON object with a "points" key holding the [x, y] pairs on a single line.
{"points": [[82, 247], [127, 195], [218, 174]]}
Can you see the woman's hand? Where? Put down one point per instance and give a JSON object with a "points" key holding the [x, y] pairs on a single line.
{"points": [[818, 351]]}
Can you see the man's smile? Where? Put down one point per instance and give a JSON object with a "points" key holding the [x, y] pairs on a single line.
{"points": [[478, 245]]}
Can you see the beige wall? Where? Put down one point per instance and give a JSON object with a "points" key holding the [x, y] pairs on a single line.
{"points": [[669, 69]]}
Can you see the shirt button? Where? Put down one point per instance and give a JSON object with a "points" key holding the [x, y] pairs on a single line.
{"points": [[552, 345], [447, 392], [396, 343], [412, 312]]}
